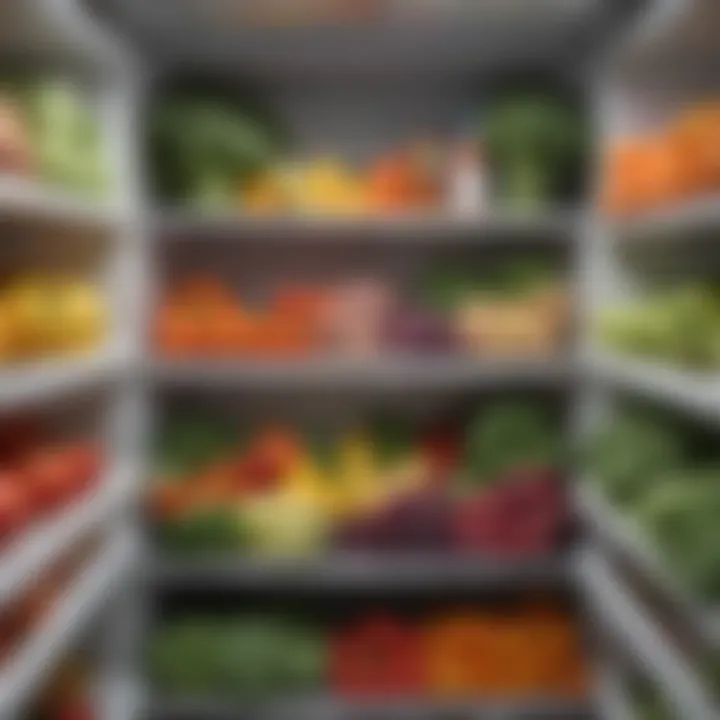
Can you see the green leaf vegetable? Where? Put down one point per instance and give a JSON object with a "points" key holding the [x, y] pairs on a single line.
{"points": [[509, 435], [680, 326], [631, 452], [534, 141], [204, 145], [680, 514], [205, 530], [252, 656], [67, 136]]}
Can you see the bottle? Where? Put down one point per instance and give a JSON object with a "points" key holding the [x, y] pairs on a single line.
{"points": [[467, 193]]}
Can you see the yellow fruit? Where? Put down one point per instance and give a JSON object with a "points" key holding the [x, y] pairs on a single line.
{"points": [[8, 335], [33, 309], [83, 315], [265, 194], [282, 525]]}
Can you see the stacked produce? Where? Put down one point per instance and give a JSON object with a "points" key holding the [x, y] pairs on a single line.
{"points": [[519, 311], [669, 484], [48, 132], [222, 151], [41, 475], [669, 165], [20, 619], [491, 488], [679, 326], [528, 651], [48, 315]]}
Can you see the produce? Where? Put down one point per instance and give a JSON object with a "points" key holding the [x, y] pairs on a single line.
{"points": [[517, 311], [525, 651], [524, 515], [382, 488], [534, 142], [418, 522], [669, 165], [531, 652], [40, 476], [510, 435], [631, 451], [46, 316], [667, 485], [284, 525], [245, 656], [204, 144], [204, 530], [379, 656], [14, 506], [67, 137], [16, 151], [48, 130], [680, 326], [680, 512]]}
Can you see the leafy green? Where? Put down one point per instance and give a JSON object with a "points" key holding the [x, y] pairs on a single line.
{"points": [[206, 530], [511, 434], [631, 452], [534, 141], [203, 146]]}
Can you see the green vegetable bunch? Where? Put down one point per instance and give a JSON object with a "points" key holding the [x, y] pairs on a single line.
{"points": [[508, 435], [67, 139], [534, 141], [680, 326], [203, 147], [631, 452], [643, 464], [255, 657]]}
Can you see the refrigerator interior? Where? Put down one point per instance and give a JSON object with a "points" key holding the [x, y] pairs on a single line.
{"points": [[352, 89]]}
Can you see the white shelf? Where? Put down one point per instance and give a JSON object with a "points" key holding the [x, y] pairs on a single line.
{"points": [[643, 640], [411, 229], [46, 380], [623, 536], [29, 555], [692, 216], [696, 394], [33, 201], [27, 669], [380, 374], [319, 708], [344, 571]]}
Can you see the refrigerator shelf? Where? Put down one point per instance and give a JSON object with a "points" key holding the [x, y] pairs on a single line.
{"points": [[622, 536], [406, 230], [26, 199], [380, 374], [329, 709], [696, 394], [29, 555], [32, 663], [623, 618], [699, 215], [42, 381], [348, 572]]}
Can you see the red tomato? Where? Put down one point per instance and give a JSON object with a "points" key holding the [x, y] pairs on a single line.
{"points": [[85, 460], [14, 506], [50, 478]]}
